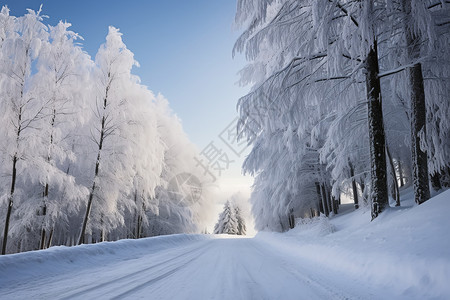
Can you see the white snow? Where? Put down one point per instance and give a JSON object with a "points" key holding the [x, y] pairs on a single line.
{"points": [[403, 254], [406, 250]]}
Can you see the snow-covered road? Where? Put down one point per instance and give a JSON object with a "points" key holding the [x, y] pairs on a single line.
{"points": [[186, 268], [344, 257]]}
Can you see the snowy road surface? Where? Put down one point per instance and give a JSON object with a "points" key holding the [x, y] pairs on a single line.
{"points": [[344, 257], [194, 267]]}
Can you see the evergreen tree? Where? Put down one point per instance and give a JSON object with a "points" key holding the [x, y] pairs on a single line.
{"points": [[227, 220], [241, 228]]}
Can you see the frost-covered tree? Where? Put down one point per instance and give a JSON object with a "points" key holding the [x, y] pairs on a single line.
{"points": [[241, 228], [178, 210], [315, 67], [418, 35], [61, 66], [308, 65], [113, 171], [21, 108], [87, 142], [227, 222]]}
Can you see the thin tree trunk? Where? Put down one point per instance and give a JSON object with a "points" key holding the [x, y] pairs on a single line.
{"points": [[324, 200], [400, 173], [102, 230], [42, 243], [50, 237], [436, 181], [10, 204], [335, 205], [13, 186], [394, 178], [354, 188], [97, 166], [44, 213], [319, 196], [46, 188], [445, 177], [379, 190], [291, 218], [86, 216], [136, 229], [139, 227], [332, 201]]}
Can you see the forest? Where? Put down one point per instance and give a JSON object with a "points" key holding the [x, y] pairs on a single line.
{"points": [[87, 152], [349, 100]]}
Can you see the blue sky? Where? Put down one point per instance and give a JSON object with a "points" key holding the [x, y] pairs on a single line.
{"points": [[183, 47], [184, 51]]}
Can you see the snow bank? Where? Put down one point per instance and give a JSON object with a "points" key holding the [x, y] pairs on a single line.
{"points": [[406, 249], [69, 259], [320, 226]]}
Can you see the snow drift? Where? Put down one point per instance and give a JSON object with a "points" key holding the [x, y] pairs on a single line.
{"points": [[405, 250]]}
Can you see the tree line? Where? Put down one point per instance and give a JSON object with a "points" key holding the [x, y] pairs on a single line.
{"points": [[87, 152], [349, 98]]}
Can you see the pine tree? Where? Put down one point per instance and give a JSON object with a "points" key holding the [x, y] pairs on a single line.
{"points": [[227, 220], [241, 228]]}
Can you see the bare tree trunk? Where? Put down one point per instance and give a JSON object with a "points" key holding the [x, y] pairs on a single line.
{"points": [[436, 181], [418, 124], [97, 163], [46, 187], [400, 173], [102, 230], [42, 243], [139, 227], [97, 168], [10, 204], [326, 208], [332, 202], [445, 177], [291, 218], [319, 196], [86, 216], [379, 191], [394, 178], [335, 205], [418, 111], [354, 188], [13, 184], [50, 237]]}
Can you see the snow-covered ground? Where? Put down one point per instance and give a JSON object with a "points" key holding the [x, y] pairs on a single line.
{"points": [[403, 254]]}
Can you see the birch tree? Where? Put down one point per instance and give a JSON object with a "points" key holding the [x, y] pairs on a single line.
{"points": [[114, 63], [61, 66], [21, 108]]}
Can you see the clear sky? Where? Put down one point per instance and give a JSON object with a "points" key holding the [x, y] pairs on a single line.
{"points": [[184, 51]]}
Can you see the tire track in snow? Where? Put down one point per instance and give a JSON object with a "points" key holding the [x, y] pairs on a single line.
{"points": [[132, 276], [311, 278], [153, 280]]}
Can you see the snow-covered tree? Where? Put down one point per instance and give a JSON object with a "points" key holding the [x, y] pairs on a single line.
{"points": [[241, 228], [311, 62], [61, 66], [178, 209], [21, 108], [113, 172], [228, 222], [88, 144]]}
